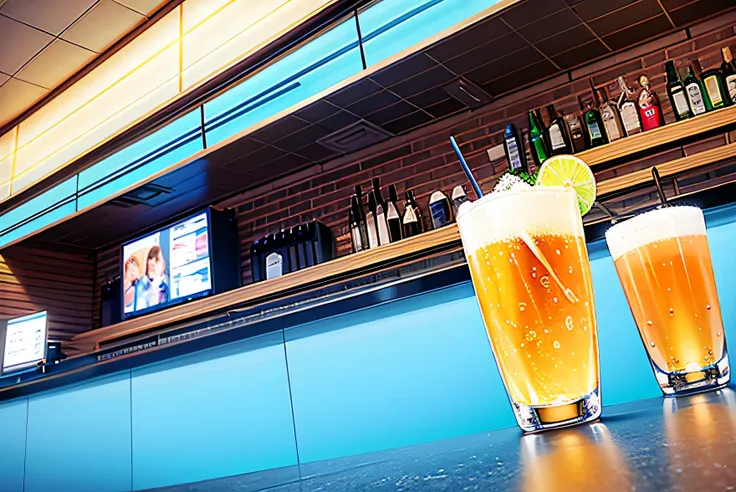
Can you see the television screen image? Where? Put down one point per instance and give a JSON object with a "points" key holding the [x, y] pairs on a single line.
{"points": [[167, 266], [25, 341]]}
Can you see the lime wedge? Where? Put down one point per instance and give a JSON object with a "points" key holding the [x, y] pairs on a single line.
{"points": [[570, 171]]}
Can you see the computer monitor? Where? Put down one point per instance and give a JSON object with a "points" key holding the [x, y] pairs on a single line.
{"points": [[24, 342]]}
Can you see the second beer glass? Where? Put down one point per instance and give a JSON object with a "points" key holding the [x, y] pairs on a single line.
{"points": [[529, 265], [663, 262]]}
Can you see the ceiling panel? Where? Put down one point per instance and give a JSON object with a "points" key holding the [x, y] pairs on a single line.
{"points": [[15, 95], [626, 17], [697, 9], [591, 9], [565, 40], [18, 44], [143, 7], [3, 78], [550, 26], [525, 13], [107, 22], [49, 16], [638, 33], [57, 62]]}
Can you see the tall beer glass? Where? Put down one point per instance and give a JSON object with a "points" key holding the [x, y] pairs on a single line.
{"points": [[663, 262], [531, 274]]}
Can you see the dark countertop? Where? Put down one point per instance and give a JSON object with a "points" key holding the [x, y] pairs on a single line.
{"points": [[657, 444]]}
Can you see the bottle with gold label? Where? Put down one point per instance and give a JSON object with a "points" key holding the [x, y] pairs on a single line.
{"points": [[714, 88], [628, 109], [609, 114], [650, 110]]}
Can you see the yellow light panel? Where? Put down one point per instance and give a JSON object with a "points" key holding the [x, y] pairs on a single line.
{"points": [[195, 41]]}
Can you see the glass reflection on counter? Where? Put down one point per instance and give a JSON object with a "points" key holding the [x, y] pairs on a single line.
{"points": [[701, 430], [579, 458]]}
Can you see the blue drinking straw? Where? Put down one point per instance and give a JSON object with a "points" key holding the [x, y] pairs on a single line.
{"points": [[473, 182]]}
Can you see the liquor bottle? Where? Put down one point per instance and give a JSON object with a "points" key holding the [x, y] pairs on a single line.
{"points": [[383, 235], [359, 215], [459, 196], [536, 140], [374, 239], [393, 217], [650, 110], [699, 103], [412, 223], [559, 142], [355, 236], [609, 114], [676, 93], [274, 266], [417, 210], [576, 133], [627, 109], [439, 207], [729, 74], [593, 126], [715, 89], [514, 150]]}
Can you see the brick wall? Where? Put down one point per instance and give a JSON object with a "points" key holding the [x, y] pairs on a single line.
{"points": [[424, 161]]}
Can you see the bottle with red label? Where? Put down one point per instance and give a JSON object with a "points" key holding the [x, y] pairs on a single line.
{"points": [[650, 110]]}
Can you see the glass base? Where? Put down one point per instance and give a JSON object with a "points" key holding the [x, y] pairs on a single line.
{"points": [[540, 418], [680, 383]]}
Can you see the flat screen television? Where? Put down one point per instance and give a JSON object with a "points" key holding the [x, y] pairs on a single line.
{"points": [[24, 342], [189, 259]]}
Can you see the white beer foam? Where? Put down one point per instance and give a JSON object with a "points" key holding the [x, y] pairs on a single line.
{"points": [[521, 212], [655, 225]]}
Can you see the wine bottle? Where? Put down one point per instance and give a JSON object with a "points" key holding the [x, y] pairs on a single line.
{"points": [[417, 210], [355, 236], [729, 74], [383, 235], [411, 222], [576, 133], [515, 154], [359, 215], [593, 126], [699, 103], [650, 110], [559, 142], [628, 110], [676, 93], [609, 114], [536, 140], [393, 217], [459, 196], [374, 240]]}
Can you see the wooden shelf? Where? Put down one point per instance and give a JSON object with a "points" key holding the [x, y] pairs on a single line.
{"points": [[89, 341], [670, 168], [654, 138]]}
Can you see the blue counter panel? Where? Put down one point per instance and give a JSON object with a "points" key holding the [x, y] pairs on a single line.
{"points": [[12, 445], [405, 372], [79, 438], [218, 413]]}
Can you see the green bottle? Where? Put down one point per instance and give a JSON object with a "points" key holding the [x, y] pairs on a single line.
{"points": [[699, 102], [537, 143], [594, 126], [714, 89], [676, 93]]}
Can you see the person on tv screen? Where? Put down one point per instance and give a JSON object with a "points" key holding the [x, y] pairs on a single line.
{"points": [[152, 289], [130, 276]]}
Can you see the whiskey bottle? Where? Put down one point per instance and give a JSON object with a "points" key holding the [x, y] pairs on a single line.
{"points": [[676, 93], [628, 110], [577, 135], [515, 154], [393, 217], [609, 114], [650, 110], [537, 142]]}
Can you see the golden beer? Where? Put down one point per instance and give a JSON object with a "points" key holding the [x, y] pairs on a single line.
{"points": [[530, 270], [663, 262]]}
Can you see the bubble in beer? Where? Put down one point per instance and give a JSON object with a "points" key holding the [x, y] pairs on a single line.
{"points": [[556, 344], [569, 323], [651, 343], [718, 334], [558, 252], [707, 306], [522, 306], [569, 270], [672, 312], [544, 280], [554, 299], [530, 335], [649, 322]]}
